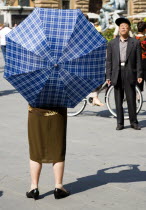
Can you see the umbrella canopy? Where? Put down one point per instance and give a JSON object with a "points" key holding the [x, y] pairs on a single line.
{"points": [[55, 58]]}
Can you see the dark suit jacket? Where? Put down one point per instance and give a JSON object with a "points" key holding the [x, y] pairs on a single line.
{"points": [[133, 64]]}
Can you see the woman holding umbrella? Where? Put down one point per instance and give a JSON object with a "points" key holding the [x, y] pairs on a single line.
{"points": [[53, 64]]}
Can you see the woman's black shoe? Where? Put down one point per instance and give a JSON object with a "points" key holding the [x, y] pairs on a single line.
{"points": [[58, 193], [33, 194]]}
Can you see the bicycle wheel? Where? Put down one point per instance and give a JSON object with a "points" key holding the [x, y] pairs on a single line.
{"points": [[110, 102], [77, 109], [139, 99]]}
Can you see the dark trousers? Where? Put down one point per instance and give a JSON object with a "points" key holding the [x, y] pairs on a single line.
{"points": [[122, 86], [3, 47]]}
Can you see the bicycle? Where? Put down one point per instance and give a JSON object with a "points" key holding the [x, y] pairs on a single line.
{"points": [[109, 101]]}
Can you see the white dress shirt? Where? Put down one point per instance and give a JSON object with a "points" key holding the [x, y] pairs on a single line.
{"points": [[3, 33]]}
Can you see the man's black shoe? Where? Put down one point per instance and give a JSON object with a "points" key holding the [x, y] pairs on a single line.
{"points": [[120, 127], [135, 126]]}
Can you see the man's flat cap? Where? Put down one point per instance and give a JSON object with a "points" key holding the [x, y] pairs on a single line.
{"points": [[122, 20]]}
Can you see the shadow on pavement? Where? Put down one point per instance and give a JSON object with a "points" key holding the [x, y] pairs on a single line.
{"points": [[8, 92], [142, 123], [46, 194], [133, 174], [101, 178], [142, 112], [104, 113], [1, 193]]}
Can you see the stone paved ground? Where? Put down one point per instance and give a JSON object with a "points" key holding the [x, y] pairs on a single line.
{"points": [[105, 168]]}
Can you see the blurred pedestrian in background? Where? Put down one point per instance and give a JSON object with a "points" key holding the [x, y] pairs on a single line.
{"points": [[141, 36], [1, 26], [5, 30], [15, 25]]}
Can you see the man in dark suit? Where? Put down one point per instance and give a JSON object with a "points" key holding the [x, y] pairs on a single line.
{"points": [[123, 70]]}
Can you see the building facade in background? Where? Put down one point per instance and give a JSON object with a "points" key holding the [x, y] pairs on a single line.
{"points": [[84, 5], [133, 6], [15, 11]]}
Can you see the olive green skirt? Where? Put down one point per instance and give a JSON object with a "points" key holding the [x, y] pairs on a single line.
{"points": [[47, 134]]}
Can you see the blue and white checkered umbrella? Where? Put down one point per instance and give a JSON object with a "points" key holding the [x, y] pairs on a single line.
{"points": [[55, 58]]}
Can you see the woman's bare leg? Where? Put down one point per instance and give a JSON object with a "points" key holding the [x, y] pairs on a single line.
{"points": [[35, 170], [58, 169]]}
